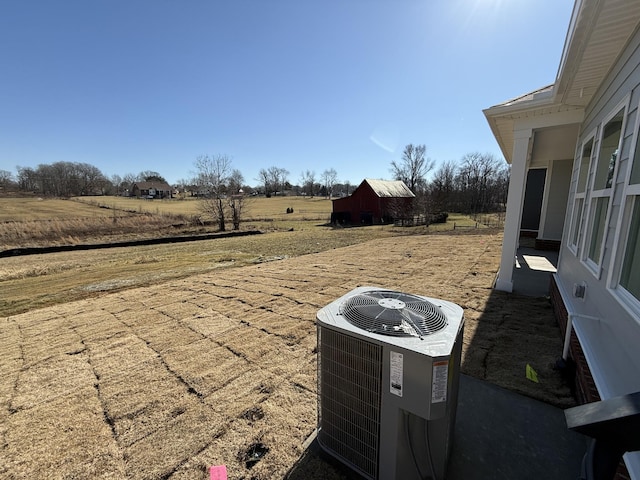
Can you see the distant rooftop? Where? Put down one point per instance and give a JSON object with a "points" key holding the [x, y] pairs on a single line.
{"points": [[389, 188]]}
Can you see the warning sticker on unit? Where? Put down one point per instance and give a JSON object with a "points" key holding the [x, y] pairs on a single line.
{"points": [[439, 382], [396, 373]]}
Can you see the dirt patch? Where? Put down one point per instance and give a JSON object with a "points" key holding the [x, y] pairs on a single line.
{"points": [[220, 368]]}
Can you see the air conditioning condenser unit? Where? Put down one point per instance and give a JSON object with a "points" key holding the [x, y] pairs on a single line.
{"points": [[388, 375]]}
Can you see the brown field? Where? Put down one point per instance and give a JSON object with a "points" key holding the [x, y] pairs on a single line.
{"points": [[164, 380], [258, 208], [17, 209], [36, 281], [34, 208], [29, 222]]}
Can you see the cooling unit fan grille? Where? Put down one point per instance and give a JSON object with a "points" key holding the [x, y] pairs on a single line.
{"points": [[393, 313]]}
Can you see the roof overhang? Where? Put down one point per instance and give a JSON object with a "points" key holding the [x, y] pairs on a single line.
{"points": [[598, 33], [530, 112]]}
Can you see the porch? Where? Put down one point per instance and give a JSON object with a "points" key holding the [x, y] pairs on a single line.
{"points": [[533, 269]]}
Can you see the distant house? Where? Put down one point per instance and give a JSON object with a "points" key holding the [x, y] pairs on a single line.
{"points": [[374, 201], [580, 137], [151, 190]]}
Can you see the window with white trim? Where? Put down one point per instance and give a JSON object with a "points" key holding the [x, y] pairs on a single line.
{"points": [[630, 275], [604, 169], [629, 280], [581, 188]]}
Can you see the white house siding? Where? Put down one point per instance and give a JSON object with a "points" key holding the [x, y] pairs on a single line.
{"points": [[608, 329]]}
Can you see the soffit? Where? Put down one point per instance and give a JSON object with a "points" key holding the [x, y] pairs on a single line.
{"points": [[601, 30], [505, 119], [557, 143]]}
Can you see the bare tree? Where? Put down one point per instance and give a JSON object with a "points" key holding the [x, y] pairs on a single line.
{"points": [[237, 197], [89, 178], [502, 187], [278, 177], [264, 179], [213, 172], [442, 187], [308, 180], [413, 168], [238, 203], [116, 182], [274, 179], [62, 179], [27, 179], [236, 179], [329, 179], [475, 180], [6, 179]]}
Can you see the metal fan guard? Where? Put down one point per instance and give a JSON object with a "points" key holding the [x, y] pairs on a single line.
{"points": [[393, 313]]}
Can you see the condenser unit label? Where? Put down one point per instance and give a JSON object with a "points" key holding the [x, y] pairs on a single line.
{"points": [[396, 373], [439, 382]]}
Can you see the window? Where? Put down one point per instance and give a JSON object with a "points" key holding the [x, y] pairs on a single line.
{"points": [[604, 171], [578, 204], [584, 166], [624, 276], [598, 221], [629, 273], [635, 170], [630, 276], [608, 153], [577, 217]]}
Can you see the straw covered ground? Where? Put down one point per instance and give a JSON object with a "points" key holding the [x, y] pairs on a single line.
{"points": [[166, 380]]}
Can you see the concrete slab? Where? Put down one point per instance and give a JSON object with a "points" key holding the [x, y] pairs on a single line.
{"points": [[502, 435], [499, 435], [533, 270]]}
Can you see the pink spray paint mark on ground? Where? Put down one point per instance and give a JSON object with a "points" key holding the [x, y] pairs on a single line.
{"points": [[218, 473]]}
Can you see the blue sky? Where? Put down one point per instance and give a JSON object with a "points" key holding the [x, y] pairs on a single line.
{"points": [[134, 85]]}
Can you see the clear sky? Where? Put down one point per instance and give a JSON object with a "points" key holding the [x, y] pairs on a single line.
{"points": [[134, 85]]}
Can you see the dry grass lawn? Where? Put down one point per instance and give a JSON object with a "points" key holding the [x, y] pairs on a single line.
{"points": [[165, 380]]}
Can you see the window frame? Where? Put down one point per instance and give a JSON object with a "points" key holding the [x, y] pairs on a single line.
{"points": [[592, 196], [629, 198], [577, 217]]}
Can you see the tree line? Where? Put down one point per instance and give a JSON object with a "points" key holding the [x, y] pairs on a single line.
{"points": [[478, 183], [69, 179]]}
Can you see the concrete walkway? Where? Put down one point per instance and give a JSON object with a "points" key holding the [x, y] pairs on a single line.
{"points": [[533, 270], [503, 435]]}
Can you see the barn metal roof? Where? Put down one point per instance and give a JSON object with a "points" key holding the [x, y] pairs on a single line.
{"points": [[389, 188]]}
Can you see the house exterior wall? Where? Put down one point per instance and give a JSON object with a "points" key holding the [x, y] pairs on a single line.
{"points": [[149, 189], [606, 321], [557, 193]]}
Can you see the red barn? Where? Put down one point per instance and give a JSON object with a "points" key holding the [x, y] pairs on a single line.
{"points": [[374, 201]]}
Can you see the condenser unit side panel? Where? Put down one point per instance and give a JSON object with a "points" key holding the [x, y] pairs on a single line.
{"points": [[349, 391]]}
